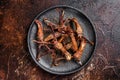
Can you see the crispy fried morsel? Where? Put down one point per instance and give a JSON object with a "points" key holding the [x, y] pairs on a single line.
{"points": [[53, 25], [40, 41], [74, 42], [49, 23], [59, 46], [79, 52], [40, 30], [50, 37], [79, 29]]}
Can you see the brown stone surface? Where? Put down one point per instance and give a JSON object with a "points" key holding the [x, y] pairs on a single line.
{"points": [[15, 19]]}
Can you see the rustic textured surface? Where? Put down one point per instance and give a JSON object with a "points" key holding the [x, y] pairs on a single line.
{"points": [[17, 15]]}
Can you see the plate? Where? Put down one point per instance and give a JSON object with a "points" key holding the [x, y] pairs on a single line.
{"points": [[69, 66]]}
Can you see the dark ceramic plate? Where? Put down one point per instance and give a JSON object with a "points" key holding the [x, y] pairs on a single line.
{"points": [[66, 67]]}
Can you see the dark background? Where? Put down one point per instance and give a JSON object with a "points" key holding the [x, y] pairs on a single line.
{"points": [[15, 19]]}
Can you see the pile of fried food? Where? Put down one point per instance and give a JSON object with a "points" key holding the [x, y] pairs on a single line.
{"points": [[65, 37]]}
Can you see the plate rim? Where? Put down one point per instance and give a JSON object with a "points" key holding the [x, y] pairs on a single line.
{"points": [[69, 72]]}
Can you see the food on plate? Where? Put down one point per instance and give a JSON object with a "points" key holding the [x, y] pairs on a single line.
{"points": [[62, 37]]}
